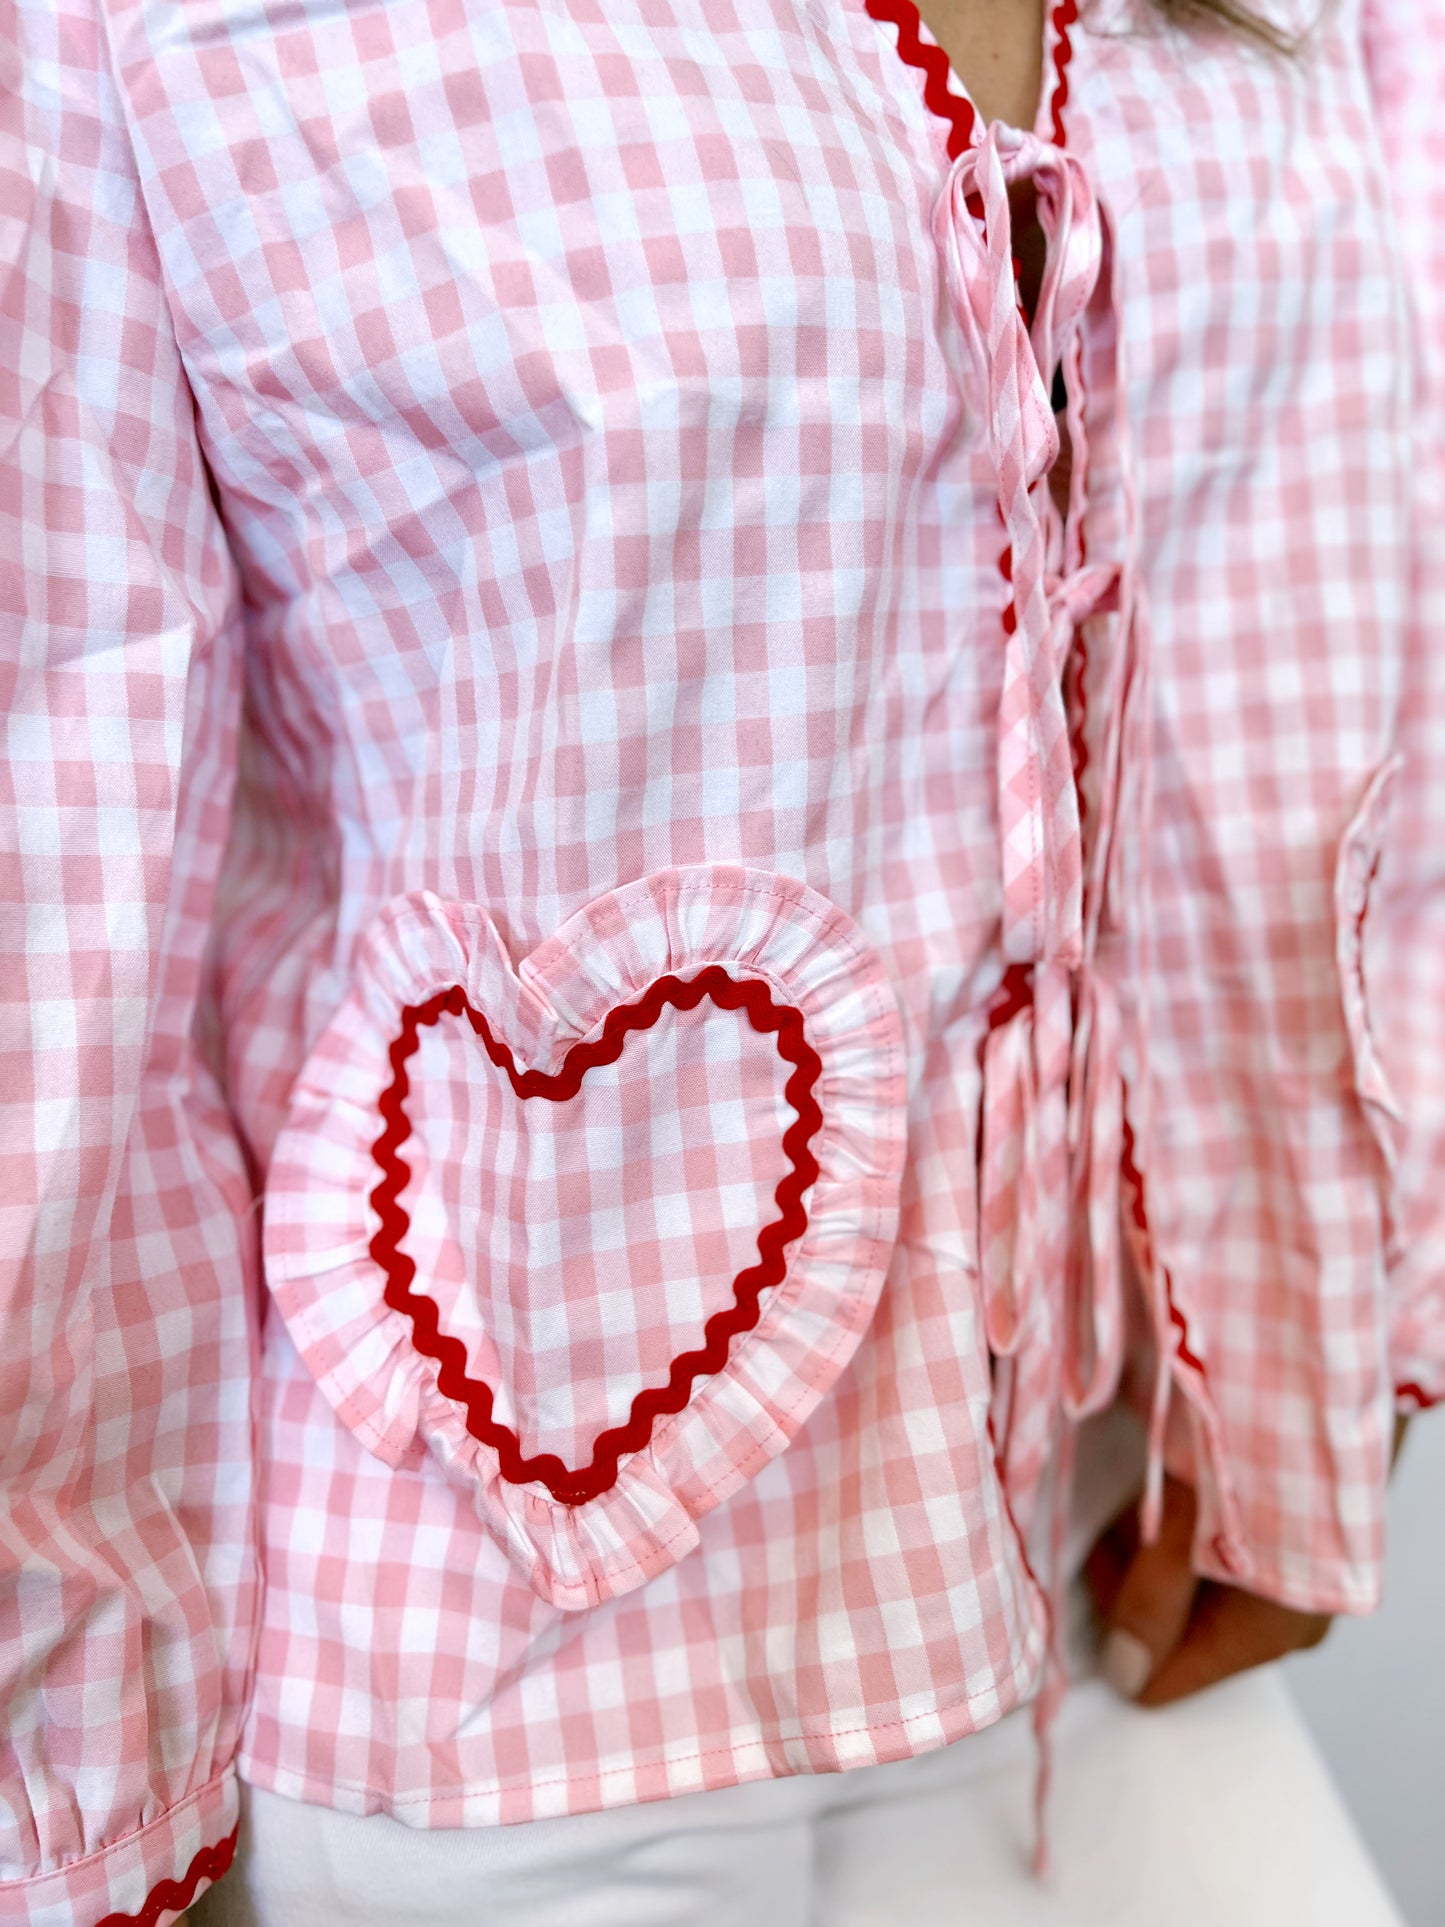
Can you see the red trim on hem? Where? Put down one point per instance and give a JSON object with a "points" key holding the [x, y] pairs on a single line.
{"points": [[577, 1485], [209, 1864]]}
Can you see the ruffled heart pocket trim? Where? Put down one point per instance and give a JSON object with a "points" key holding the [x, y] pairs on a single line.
{"points": [[386, 1194]]}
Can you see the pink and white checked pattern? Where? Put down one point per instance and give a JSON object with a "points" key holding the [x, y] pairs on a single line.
{"points": [[523, 451], [575, 1257], [1037, 799], [1051, 1099], [1406, 1021]]}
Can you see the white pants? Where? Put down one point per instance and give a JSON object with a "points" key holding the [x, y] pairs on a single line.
{"points": [[1215, 1811]]}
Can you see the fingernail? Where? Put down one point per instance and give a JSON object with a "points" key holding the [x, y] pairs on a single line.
{"points": [[1126, 1663]]}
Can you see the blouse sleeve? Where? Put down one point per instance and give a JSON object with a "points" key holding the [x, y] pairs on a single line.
{"points": [[1406, 949], [127, 1571]]}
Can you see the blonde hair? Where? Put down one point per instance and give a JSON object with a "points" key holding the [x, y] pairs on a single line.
{"points": [[1236, 15]]}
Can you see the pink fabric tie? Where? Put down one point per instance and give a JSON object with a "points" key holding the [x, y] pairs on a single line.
{"points": [[1038, 805], [1051, 1131]]}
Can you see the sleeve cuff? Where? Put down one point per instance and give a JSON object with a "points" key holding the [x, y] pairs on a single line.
{"points": [[145, 1879], [1416, 1395]]}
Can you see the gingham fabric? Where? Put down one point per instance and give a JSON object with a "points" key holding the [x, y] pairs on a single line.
{"points": [[575, 1245], [1407, 58], [561, 752]]}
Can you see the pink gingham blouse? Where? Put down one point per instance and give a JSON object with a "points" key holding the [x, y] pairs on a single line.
{"points": [[642, 953]]}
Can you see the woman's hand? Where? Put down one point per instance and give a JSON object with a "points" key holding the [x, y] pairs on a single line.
{"points": [[1167, 1632]]}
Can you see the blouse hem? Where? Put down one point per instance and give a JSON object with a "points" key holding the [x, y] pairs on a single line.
{"points": [[761, 1756]]}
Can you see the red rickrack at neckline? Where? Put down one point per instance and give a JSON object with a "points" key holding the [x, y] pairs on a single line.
{"points": [[961, 118], [576, 1486], [1064, 17], [172, 1895], [933, 63], [929, 59]]}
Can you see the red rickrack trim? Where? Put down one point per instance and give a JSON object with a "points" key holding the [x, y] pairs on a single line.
{"points": [[929, 59], [1065, 16], [933, 63], [961, 117], [1135, 1179], [171, 1895], [569, 1485], [1420, 1399]]}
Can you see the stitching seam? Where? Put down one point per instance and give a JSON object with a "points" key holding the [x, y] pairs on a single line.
{"points": [[171, 1895]]}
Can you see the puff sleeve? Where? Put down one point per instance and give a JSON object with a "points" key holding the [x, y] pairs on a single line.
{"points": [[127, 1570]]}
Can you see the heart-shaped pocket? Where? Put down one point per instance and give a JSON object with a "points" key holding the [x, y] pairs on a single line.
{"points": [[627, 1214], [582, 1312]]}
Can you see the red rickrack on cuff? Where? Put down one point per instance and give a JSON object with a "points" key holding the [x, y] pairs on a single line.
{"points": [[170, 1896]]}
